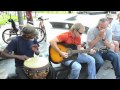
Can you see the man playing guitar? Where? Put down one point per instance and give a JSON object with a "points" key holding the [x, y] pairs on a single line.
{"points": [[73, 36]]}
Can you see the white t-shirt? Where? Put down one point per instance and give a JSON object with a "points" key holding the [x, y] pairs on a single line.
{"points": [[116, 28]]}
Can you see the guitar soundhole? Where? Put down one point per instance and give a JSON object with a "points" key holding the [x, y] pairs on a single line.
{"points": [[60, 55]]}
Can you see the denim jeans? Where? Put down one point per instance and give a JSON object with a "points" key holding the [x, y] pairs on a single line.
{"points": [[111, 56], [76, 66], [117, 38], [20, 73]]}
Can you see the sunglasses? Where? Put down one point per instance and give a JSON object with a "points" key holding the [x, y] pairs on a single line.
{"points": [[80, 33], [110, 18], [28, 36]]}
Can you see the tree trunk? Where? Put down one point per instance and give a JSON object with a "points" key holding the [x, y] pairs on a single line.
{"points": [[20, 18], [69, 11], [29, 16]]}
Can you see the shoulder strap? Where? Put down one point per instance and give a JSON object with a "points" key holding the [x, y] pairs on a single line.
{"points": [[69, 65]]}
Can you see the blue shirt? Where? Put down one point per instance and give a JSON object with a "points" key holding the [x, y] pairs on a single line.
{"points": [[21, 47]]}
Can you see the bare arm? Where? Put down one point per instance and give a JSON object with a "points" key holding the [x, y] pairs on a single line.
{"points": [[107, 43], [6, 54], [79, 47], [94, 42], [99, 37], [54, 45]]}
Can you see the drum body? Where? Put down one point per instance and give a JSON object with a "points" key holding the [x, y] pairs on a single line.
{"points": [[36, 67]]}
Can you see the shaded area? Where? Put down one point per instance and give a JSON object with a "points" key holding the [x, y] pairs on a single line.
{"points": [[73, 18]]}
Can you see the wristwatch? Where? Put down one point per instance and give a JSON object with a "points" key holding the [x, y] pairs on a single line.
{"points": [[103, 39]]}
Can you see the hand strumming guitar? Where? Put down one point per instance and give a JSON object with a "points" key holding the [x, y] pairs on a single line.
{"points": [[64, 54]]}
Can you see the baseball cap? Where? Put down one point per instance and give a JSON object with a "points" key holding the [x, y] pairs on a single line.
{"points": [[29, 29], [109, 16]]}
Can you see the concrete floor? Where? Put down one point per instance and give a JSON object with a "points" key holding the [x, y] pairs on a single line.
{"points": [[106, 71], [7, 68]]}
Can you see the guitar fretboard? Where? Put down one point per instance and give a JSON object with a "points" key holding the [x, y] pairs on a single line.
{"points": [[81, 51]]}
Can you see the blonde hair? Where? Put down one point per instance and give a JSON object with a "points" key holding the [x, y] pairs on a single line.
{"points": [[118, 14], [76, 26]]}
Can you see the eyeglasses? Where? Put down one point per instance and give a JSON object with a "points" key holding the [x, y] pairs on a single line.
{"points": [[110, 18], [80, 33]]}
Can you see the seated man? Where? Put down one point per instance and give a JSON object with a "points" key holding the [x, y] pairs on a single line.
{"points": [[115, 44], [116, 28], [73, 36], [23, 47], [101, 36]]}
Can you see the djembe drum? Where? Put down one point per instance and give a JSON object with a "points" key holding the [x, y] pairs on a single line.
{"points": [[36, 67]]}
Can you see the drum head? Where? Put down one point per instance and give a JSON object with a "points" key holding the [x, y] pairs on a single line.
{"points": [[36, 62]]}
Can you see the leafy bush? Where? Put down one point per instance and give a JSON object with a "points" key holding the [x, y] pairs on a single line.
{"points": [[4, 18]]}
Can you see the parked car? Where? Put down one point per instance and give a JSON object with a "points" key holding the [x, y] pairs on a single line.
{"points": [[87, 20], [95, 12], [91, 12], [60, 26], [67, 23]]}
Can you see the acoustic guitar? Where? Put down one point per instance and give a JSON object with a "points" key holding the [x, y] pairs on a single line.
{"points": [[72, 51]]}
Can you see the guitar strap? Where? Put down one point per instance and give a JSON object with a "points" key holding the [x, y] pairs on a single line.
{"points": [[63, 63], [71, 64], [67, 60], [69, 67]]}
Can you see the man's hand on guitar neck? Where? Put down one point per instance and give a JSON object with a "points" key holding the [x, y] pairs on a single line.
{"points": [[81, 48], [92, 51]]}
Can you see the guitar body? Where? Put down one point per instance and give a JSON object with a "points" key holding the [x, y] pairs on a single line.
{"points": [[55, 57]]}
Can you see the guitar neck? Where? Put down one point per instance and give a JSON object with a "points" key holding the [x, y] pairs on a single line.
{"points": [[80, 51], [88, 50]]}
